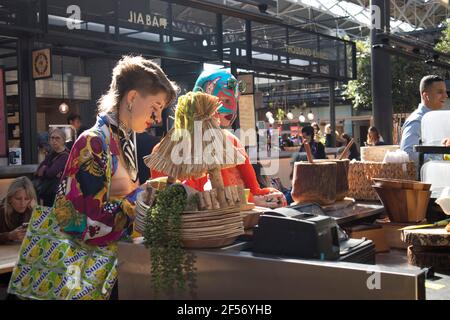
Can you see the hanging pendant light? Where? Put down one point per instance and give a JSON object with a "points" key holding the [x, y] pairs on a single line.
{"points": [[290, 115], [269, 115], [310, 115], [63, 107], [302, 118], [271, 120]]}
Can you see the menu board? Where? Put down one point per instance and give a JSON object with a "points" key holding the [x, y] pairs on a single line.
{"points": [[247, 120]]}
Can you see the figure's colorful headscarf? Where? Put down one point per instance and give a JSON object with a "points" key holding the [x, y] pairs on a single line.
{"points": [[221, 84]]}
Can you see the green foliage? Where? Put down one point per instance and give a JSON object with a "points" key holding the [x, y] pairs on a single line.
{"points": [[406, 75], [444, 43], [280, 114], [359, 90], [171, 265]]}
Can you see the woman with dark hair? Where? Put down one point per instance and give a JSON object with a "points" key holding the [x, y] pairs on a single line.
{"points": [[317, 148], [353, 152], [374, 138]]}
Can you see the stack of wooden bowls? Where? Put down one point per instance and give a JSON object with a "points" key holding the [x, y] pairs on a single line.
{"points": [[404, 200]]}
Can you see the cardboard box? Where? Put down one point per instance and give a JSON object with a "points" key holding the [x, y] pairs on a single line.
{"points": [[393, 234], [372, 232]]}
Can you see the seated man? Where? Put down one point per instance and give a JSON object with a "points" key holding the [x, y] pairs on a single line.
{"points": [[433, 94]]}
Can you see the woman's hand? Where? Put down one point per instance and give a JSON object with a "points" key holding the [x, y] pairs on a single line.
{"points": [[17, 234]]}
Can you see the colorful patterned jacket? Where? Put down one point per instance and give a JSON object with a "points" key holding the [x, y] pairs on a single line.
{"points": [[82, 205]]}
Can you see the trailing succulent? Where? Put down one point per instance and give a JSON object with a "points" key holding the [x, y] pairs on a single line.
{"points": [[171, 266]]}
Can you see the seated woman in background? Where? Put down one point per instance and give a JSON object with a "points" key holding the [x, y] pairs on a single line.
{"points": [[374, 138], [317, 148], [50, 170], [16, 209], [353, 152]]}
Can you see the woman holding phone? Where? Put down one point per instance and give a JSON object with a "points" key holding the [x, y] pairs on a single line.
{"points": [[16, 209]]}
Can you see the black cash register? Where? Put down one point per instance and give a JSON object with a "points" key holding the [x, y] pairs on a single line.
{"points": [[305, 231]]}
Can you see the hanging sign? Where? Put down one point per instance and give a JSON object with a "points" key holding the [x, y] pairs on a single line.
{"points": [[150, 20], [42, 63]]}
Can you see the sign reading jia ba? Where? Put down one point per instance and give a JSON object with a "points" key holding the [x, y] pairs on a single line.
{"points": [[150, 20]]}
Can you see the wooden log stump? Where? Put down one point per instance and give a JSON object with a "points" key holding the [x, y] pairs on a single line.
{"points": [[425, 257], [314, 182], [341, 176]]}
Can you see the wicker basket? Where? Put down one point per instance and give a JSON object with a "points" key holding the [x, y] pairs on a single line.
{"points": [[360, 176]]}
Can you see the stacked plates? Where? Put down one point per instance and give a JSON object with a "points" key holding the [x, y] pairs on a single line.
{"points": [[211, 228]]}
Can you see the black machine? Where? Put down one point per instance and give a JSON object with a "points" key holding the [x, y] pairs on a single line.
{"points": [[290, 232], [305, 231]]}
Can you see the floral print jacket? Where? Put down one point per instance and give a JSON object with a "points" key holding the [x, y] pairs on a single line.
{"points": [[82, 205]]}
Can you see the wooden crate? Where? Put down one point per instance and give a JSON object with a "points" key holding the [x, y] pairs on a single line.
{"points": [[372, 232], [392, 233]]}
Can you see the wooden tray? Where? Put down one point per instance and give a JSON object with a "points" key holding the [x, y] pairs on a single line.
{"points": [[339, 205]]}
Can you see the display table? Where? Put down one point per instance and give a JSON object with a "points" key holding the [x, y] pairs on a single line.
{"points": [[234, 273], [359, 211], [9, 254]]}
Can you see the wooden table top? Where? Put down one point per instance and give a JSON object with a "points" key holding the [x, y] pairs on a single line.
{"points": [[9, 254]]}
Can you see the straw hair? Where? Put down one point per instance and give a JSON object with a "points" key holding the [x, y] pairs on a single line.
{"points": [[18, 183], [192, 107]]}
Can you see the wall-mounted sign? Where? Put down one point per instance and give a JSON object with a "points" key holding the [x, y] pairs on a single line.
{"points": [[42, 63], [247, 83], [150, 20], [307, 52]]}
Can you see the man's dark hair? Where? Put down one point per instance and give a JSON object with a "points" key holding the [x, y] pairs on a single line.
{"points": [[427, 81], [308, 130], [73, 117]]}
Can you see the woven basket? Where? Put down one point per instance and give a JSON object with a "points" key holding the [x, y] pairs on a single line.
{"points": [[360, 176]]}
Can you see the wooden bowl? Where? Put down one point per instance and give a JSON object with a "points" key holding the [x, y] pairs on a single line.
{"points": [[402, 184], [404, 205]]}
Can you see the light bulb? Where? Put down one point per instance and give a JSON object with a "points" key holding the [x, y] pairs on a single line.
{"points": [[310, 115], [63, 108], [271, 120], [290, 116], [269, 115], [205, 43], [302, 118]]}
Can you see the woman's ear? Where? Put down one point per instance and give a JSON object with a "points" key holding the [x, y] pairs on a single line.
{"points": [[131, 96]]}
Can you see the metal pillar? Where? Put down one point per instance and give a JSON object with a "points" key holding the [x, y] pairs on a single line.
{"points": [[332, 113], [27, 102], [381, 72]]}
